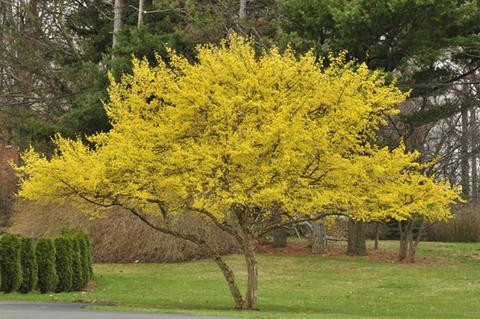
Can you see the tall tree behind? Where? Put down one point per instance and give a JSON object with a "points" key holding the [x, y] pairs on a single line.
{"points": [[464, 154], [52, 73], [117, 20], [474, 153], [242, 11], [141, 9]]}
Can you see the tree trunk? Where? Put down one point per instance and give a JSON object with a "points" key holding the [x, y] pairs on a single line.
{"points": [[413, 244], [408, 244], [356, 239], [402, 253], [242, 11], [141, 9], [473, 142], [279, 234], [232, 284], [319, 245], [464, 167], [117, 20], [409, 240], [377, 235], [252, 271], [227, 272]]}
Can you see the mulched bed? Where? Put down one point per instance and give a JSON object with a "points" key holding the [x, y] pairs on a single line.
{"points": [[338, 249]]}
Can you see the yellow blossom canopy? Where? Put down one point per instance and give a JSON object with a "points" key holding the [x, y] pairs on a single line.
{"points": [[234, 129]]}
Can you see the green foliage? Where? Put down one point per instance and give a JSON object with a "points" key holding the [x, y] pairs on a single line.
{"points": [[144, 42], [204, 21], [47, 275], [63, 261], [10, 263], [403, 35], [89, 257], [86, 257], [29, 265]]}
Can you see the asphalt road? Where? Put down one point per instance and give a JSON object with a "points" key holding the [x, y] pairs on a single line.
{"points": [[22, 310]]}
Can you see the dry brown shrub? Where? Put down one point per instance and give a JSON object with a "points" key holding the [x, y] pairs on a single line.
{"points": [[8, 187], [120, 237], [464, 227]]}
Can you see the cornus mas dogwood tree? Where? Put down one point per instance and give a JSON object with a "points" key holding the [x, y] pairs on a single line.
{"points": [[391, 186], [230, 138]]}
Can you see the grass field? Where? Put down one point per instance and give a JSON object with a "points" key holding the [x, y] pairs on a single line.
{"points": [[447, 286]]}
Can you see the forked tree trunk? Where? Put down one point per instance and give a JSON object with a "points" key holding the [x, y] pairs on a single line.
{"points": [[252, 272], [356, 238], [410, 245], [319, 231], [408, 241]]}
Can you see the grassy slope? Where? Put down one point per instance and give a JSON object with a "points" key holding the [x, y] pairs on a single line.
{"points": [[300, 287]]}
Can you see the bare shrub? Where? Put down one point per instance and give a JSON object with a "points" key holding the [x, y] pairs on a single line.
{"points": [[464, 227], [120, 237], [8, 187]]}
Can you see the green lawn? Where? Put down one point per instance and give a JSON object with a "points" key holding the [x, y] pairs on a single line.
{"points": [[299, 287]]}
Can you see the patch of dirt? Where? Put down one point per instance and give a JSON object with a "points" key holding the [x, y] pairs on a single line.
{"points": [[337, 249], [91, 286]]}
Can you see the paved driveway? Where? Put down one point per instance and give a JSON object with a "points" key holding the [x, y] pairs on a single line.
{"points": [[23, 310]]}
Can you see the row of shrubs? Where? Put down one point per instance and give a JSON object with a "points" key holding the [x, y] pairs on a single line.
{"points": [[59, 265]]}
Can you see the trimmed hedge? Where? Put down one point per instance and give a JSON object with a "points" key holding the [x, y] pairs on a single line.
{"points": [[59, 265], [47, 274], [10, 263], [88, 253], [86, 258], [85, 254], [29, 265], [63, 263], [77, 278]]}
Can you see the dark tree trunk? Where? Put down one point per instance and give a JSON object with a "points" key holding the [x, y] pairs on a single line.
{"points": [[319, 231], [356, 238], [279, 234], [377, 235], [402, 253]]}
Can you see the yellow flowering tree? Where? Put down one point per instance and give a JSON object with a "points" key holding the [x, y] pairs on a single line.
{"points": [[229, 138], [392, 186]]}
